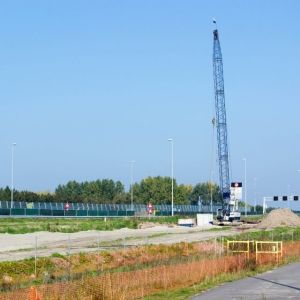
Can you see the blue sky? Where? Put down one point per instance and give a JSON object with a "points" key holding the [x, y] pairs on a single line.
{"points": [[87, 86]]}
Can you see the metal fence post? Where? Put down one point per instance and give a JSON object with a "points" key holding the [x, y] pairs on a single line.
{"points": [[69, 256], [35, 257]]}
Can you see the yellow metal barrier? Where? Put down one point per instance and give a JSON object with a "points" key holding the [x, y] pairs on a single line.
{"points": [[234, 247], [259, 247], [268, 247]]}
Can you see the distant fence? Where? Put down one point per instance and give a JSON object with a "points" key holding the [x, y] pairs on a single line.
{"points": [[21, 208], [58, 209]]}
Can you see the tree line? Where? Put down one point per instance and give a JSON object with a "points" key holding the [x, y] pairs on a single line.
{"points": [[156, 190]]}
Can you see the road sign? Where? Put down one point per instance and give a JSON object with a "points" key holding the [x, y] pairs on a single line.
{"points": [[236, 191], [149, 209], [278, 198], [67, 206]]}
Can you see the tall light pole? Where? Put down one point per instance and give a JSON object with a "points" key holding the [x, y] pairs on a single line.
{"points": [[12, 176], [255, 200], [245, 184], [131, 182], [288, 191], [172, 172], [298, 170]]}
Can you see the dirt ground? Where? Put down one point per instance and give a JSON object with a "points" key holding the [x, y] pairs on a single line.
{"points": [[281, 217], [21, 246]]}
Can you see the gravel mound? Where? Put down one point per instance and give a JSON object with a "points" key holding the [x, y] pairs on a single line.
{"points": [[281, 217]]}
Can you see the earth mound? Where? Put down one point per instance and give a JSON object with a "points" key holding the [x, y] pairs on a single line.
{"points": [[281, 217]]}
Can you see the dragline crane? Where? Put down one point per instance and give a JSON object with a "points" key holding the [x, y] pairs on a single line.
{"points": [[229, 211]]}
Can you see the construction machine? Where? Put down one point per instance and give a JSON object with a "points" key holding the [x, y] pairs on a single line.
{"points": [[229, 211]]}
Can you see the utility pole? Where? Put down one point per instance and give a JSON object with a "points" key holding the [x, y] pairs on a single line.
{"points": [[172, 173], [131, 182], [12, 176], [245, 184], [255, 194], [212, 163]]}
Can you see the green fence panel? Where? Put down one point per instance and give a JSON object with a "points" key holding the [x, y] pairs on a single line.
{"points": [[121, 213], [4, 211], [130, 213], [82, 213], [45, 212], [162, 213], [58, 213], [70, 213], [31, 212], [103, 213], [113, 213], [92, 213], [18, 211]]}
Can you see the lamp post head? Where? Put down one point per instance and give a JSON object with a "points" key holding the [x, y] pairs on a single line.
{"points": [[14, 144], [170, 140]]}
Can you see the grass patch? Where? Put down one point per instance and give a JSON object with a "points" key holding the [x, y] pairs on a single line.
{"points": [[276, 234], [222, 228], [70, 225]]}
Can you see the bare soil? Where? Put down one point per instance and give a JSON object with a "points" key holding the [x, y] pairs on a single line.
{"points": [[21, 246], [282, 217]]}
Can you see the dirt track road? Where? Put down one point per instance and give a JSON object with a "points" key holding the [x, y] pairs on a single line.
{"points": [[21, 246]]}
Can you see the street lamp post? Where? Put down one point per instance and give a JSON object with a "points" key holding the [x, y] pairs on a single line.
{"points": [[298, 170], [12, 176], [245, 179], [172, 173], [131, 182], [255, 195]]}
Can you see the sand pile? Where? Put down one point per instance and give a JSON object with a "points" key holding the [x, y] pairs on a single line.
{"points": [[279, 218]]}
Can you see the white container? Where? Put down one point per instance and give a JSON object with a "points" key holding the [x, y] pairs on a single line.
{"points": [[204, 219]]}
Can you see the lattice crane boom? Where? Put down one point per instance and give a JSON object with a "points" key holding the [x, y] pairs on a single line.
{"points": [[221, 124]]}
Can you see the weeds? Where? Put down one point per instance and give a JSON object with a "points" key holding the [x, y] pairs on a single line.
{"points": [[29, 225], [166, 272]]}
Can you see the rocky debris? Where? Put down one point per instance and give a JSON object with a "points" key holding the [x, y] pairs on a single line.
{"points": [[282, 217]]}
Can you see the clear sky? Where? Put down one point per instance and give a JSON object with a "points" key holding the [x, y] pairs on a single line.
{"points": [[87, 86]]}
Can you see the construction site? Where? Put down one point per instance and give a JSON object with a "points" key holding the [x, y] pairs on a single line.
{"points": [[200, 249], [150, 262]]}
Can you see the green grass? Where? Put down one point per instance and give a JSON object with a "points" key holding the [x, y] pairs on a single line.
{"points": [[222, 228], [276, 234], [69, 225]]}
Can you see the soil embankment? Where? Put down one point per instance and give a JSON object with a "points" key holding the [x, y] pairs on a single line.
{"points": [[282, 217]]}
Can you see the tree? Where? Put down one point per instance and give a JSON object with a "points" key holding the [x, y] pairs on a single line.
{"points": [[182, 194], [5, 194], [98, 191], [71, 192], [205, 191], [157, 190]]}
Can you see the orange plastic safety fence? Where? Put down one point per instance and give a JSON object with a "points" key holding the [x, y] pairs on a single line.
{"points": [[33, 294]]}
